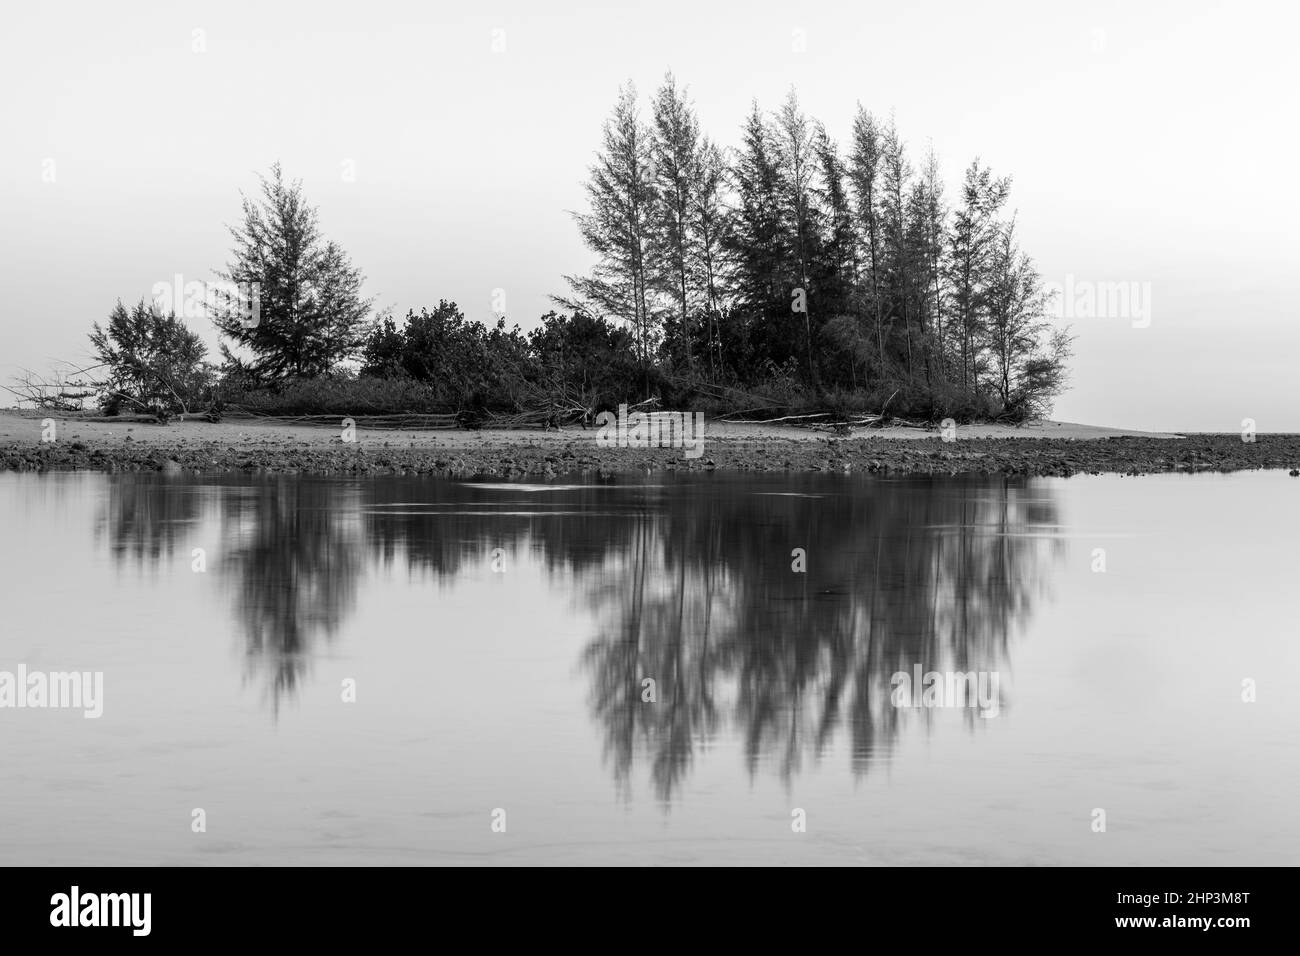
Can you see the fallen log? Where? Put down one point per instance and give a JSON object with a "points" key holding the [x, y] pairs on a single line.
{"points": [[771, 421]]}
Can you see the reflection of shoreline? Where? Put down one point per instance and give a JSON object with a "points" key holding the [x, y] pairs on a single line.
{"points": [[690, 581]]}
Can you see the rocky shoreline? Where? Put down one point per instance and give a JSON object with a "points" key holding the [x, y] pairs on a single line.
{"points": [[575, 454]]}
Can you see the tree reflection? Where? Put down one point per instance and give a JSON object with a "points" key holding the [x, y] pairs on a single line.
{"points": [[295, 558], [288, 552], [145, 517], [938, 574], [690, 585]]}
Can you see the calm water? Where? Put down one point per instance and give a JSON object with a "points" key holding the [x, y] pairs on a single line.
{"points": [[499, 636]]}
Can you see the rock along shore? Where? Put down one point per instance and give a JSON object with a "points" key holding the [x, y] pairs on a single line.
{"points": [[235, 447]]}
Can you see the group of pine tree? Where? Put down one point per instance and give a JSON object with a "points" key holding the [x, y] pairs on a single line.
{"points": [[787, 273], [842, 269]]}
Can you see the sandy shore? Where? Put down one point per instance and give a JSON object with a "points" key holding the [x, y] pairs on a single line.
{"points": [[248, 446]]}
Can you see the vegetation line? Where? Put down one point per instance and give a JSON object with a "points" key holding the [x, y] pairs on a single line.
{"points": [[790, 276]]}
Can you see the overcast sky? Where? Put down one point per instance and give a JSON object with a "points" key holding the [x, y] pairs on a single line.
{"points": [[1150, 144]]}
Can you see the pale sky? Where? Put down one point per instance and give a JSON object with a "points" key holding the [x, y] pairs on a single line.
{"points": [[1150, 143]]}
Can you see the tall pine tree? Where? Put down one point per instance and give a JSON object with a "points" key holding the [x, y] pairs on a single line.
{"points": [[675, 152], [618, 228], [311, 313]]}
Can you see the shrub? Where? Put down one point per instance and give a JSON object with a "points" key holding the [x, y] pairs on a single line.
{"points": [[582, 360], [462, 363], [340, 394], [155, 364]]}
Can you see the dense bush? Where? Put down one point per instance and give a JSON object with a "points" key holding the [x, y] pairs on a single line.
{"points": [[580, 361], [340, 394], [462, 364]]}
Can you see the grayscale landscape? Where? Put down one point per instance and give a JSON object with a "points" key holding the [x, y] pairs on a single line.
{"points": [[701, 435]]}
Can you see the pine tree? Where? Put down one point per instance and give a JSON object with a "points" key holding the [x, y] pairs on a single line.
{"points": [[933, 213], [709, 224], [974, 230], [1027, 355], [797, 152], [836, 268], [864, 174], [618, 228], [895, 174], [675, 154], [758, 245], [311, 315]]}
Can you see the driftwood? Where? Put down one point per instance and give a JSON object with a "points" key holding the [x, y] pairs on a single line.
{"points": [[467, 418], [404, 420], [829, 421], [65, 389], [68, 385], [771, 421]]}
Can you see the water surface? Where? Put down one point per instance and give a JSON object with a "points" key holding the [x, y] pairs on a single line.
{"points": [[499, 638]]}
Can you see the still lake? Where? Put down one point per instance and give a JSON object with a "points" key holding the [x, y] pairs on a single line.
{"points": [[498, 640]]}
